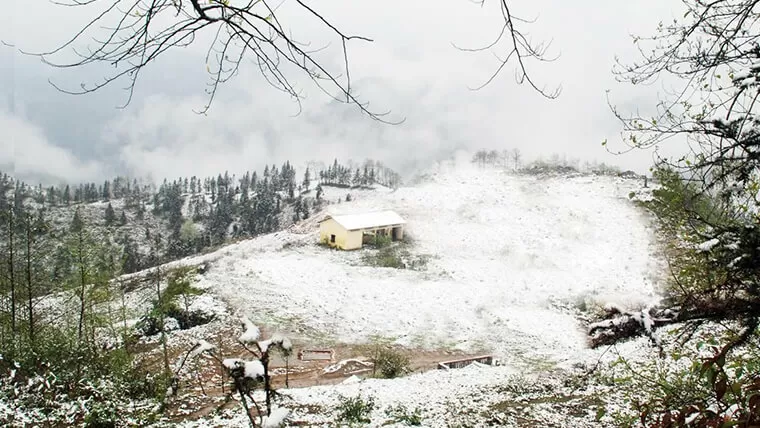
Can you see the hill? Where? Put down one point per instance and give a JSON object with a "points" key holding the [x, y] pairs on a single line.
{"points": [[507, 264]]}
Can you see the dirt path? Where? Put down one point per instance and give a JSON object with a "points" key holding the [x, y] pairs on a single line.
{"points": [[204, 388]]}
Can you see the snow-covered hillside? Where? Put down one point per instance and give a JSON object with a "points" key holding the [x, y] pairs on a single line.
{"points": [[512, 257], [508, 252]]}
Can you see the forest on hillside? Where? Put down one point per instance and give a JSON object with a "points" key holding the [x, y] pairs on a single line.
{"points": [[183, 216]]}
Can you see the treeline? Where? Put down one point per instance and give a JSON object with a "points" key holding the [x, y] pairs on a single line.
{"points": [[370, 173], [281, 179], [192, 213], [513, 160]]}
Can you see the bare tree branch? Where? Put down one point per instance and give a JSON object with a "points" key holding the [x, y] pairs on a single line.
{"points": [[131, 34]]}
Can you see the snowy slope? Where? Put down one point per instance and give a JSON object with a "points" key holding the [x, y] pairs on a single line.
{"points": [[504, 247]]}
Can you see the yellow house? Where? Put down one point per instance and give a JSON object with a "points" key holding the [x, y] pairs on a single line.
{"points": [[350, 231]]}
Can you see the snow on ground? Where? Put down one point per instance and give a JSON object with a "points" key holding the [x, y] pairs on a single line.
{"points": [[508, 253], [504, 248]]}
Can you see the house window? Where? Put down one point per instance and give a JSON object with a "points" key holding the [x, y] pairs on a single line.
{"points": [[332, 239]]}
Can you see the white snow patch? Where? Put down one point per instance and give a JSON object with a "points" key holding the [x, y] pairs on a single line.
{"points": [[251, 369], [202, 346], [367, 219], [276, 418], [340, 364], [708, 245], [251, 332]]}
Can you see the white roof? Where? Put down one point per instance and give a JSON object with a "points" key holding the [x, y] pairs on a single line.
{"points": [[367, 220]]}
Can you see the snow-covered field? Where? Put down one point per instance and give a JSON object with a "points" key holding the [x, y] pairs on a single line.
{"points": [[512, 255], [505, 249]]}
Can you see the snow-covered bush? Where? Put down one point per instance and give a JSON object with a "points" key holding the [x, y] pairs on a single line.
{"points": [[389, 363], [397, 257], [56, 387], [400, 414], [248, 375], [700, 384], [355, 410]]}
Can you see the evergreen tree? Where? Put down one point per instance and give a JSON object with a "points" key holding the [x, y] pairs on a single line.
{"points": [[67, 195], [123, 218], [76, 222], [110, 215], [319, 191], [305, 209], [306, 179], [106, 191], [52, 196]]}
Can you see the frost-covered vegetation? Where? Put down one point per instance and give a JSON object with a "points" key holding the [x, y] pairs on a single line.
{"points": [[75, 331], [707, 206]]}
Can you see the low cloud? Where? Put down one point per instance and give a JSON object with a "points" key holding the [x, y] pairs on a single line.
{"points": [[411, 69], [26, 153]]}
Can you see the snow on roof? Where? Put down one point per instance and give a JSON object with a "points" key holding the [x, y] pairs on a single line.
{"points": [[367, 220]]}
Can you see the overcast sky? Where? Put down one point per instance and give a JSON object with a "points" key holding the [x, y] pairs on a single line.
{"points": [[410, 69]]}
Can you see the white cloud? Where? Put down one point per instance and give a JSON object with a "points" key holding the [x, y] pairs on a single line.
{"points": [[26, 153], [412, 69]]}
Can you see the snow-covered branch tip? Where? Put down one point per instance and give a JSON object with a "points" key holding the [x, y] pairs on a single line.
{"points": [[624, 324], [251, 333]]}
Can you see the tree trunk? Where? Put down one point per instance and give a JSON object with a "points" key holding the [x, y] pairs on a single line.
{"points": [[11, 275], [267, 383], [82, 288], [30, 295], [161, 320]]}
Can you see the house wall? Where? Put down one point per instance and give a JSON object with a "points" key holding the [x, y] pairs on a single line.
{"points": [[344, 239], [353, 240], [331, 227]]}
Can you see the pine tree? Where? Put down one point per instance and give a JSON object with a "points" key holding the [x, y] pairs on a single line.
{"points": [[106, 191], [305, 209], [306, 179], [319, 191], [110, 215], [76, 222], [51, 196], [123, 218], [67, 195]]}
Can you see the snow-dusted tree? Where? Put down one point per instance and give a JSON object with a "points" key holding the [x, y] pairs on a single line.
{"points": [[709, 199], [110, 215], [306, 179], [319, 191], [516, 157], [248, 375], [712, 55]]}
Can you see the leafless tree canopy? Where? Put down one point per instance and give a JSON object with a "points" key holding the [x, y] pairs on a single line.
{"points": [[131, 34], [713, 56]]}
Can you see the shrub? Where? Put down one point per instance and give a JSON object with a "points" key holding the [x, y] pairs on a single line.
{"points": [[395, 257], [390, 363], [400, 414], [382, 241], [355, 410]]}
